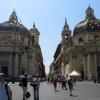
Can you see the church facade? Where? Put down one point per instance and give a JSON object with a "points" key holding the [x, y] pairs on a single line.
{"points": [[20, 51], [80, 51]]}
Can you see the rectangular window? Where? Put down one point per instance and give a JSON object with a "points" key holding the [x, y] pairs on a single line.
{"points": [[96, 36], [22, 39], [80, 40]]}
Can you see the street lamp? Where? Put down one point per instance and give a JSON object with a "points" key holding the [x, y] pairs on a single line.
{"points": [[14, 51]]}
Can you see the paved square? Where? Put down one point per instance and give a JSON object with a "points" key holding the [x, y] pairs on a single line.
{"points": [[82, 91]]}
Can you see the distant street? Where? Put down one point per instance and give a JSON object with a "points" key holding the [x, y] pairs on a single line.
{"points": [[82, 91]]}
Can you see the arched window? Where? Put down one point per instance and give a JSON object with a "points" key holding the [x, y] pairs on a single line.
{"points": [[33, 37]]}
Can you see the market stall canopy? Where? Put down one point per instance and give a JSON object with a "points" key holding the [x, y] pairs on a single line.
{"points": [[74, 73]]}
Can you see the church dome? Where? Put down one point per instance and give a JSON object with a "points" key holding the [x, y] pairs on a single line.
{"points": [[91, 23], [13, 25]]}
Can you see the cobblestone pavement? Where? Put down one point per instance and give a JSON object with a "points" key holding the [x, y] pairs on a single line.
{"points": [[82, 91]]}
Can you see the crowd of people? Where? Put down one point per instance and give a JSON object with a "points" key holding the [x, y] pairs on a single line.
{"points": [[6, 92], [64, 81]]}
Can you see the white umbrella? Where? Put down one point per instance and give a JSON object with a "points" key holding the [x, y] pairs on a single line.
{"points": [[74, 73]]}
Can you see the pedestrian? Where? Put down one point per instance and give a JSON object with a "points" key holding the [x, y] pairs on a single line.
{"points": [[24, 86], [35, 83], [5, 90], [55, 84], [63, 81], [48, 80], [94, 80], [70, 84]]}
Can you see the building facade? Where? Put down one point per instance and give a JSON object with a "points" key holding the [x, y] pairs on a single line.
{"points": [[80, 51], [18, 49]]}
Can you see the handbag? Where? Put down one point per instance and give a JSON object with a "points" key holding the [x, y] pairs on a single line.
{"points": [[28, 94], [20, 83], [31, 84]]}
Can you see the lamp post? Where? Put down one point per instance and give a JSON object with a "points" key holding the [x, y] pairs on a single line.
{"points": [[14, 52]]}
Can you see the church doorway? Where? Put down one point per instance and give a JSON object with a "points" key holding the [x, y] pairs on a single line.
{"points": [[98, 72], [82, 74], [4, 69]]}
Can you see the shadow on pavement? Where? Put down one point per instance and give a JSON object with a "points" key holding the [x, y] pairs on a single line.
{"points": [[57, 91], [74, 95]]}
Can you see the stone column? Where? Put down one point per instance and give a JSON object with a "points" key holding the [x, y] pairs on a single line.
{"points": [[30, 62], [71, 61], [63, 69], [16, 65], [89, 66], [76, 64], [33, 65], [30, 66], [20, 63], [95, 65], [84, 64], [10, 65]]}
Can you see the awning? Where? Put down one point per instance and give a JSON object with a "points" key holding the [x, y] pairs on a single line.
{"points": [[74, 73]]}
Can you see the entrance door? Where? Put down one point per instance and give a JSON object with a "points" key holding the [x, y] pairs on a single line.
{"points": [[98, 72], [4, 69], [82, 74]]}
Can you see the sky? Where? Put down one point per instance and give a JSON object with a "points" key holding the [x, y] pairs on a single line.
{"points": [[49, 17]]}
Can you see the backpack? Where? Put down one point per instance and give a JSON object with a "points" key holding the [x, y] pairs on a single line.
{"points": [[20, 83], [35, 82]]}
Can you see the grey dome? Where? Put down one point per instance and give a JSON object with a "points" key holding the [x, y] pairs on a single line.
{"points": [[91, 23], [13, 25]]}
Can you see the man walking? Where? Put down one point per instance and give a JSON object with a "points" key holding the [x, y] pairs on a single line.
{"points": [[70, 84], [35, 84], [63, 81], [5, 91], [24, 86]]}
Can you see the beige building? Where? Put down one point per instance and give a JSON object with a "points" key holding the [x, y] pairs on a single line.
{"points": [[19, 49], [80, 51]]}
